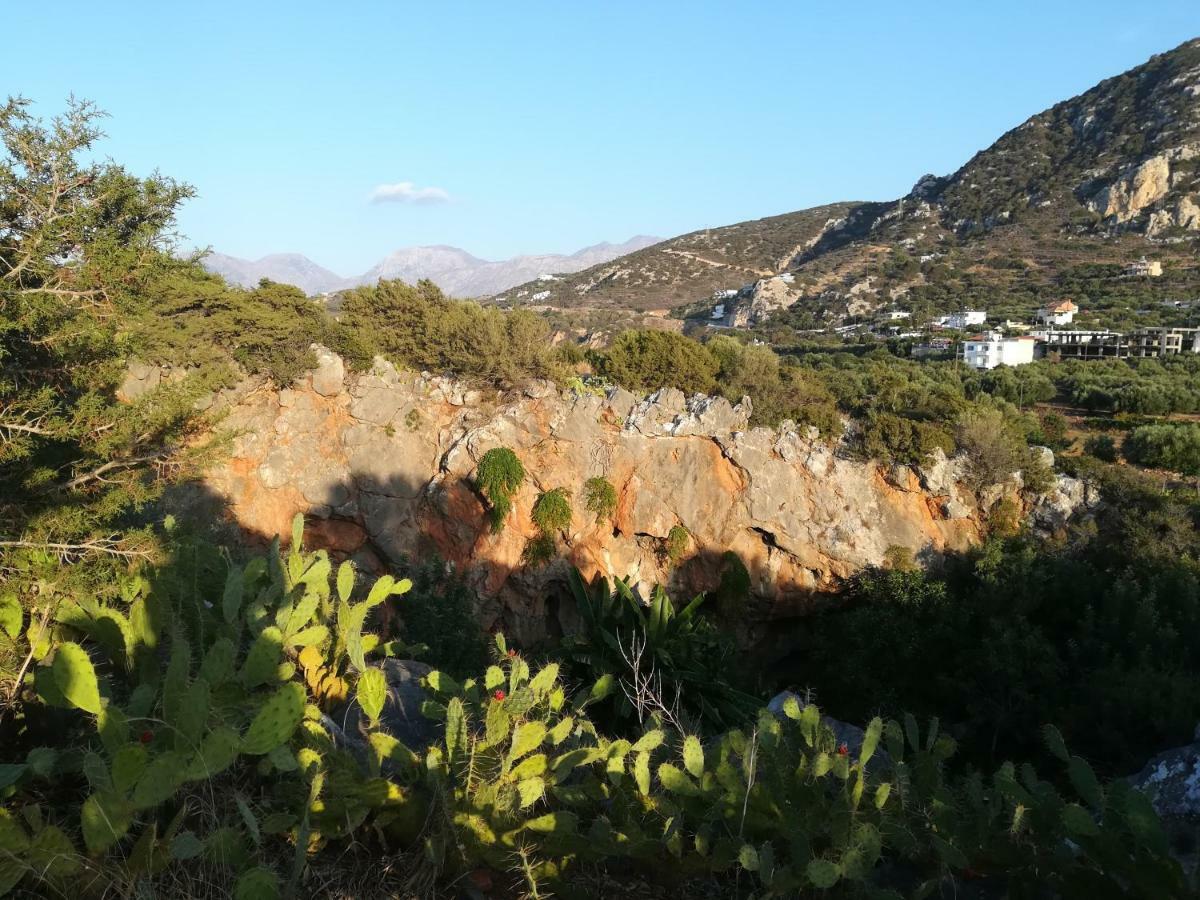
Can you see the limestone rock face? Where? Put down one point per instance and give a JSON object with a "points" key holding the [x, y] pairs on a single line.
{"points": [[1133, 192], [383, 463]]}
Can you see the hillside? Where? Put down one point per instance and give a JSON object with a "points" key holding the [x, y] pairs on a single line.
{"points": [[1103, 178], [690, 267]]}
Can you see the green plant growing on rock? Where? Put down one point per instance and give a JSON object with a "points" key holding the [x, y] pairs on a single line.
{"points": [[600, 498], [499, 475], [734, 588], [551, 515], [898, 558], [539, 550], [679, 539], [552, 511]]}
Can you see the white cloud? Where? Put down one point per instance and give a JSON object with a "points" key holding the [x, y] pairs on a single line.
{"points": [[407, 192]]}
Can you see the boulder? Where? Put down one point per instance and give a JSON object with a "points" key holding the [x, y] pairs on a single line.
{"points": [[140, 379], [1171, 781], [330, 373], [843, 732], [401, 716]]}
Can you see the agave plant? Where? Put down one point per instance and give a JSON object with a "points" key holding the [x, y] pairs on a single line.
{"points": [[657, 658]]}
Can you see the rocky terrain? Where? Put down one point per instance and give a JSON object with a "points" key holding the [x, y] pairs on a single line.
{"points": [[382, 464], [455, 271], [1105, 177]]}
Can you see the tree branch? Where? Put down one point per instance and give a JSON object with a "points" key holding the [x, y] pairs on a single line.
{"points": [[97, 547]]}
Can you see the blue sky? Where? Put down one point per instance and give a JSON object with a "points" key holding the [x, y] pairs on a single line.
{"points": [[514, 127]]}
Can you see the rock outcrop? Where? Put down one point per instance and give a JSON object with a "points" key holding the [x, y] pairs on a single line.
{"points": [[382, 464], [1126, 197]]}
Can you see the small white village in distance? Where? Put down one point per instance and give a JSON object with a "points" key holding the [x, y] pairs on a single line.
{"points": [[1007, 343]]}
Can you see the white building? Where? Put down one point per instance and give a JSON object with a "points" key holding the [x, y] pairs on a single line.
{"points": [[896, 315], [961, 321], [986, 351], [1060, 313]]}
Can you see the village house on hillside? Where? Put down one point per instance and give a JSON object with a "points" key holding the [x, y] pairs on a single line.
{"points": [[986, 351], [1060, 313], [960, 321], [1144, 269]]}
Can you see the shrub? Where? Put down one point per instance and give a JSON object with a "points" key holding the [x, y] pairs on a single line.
{"points": [[677, 543], [893, 438], [1004, 520], [649, 360], [1036, 472], [1101, 446], [499, 475], [991, 443], [1054, 429], [539, 550], [600, 497], [439, 619], [899, 559], [734, 588], [418, 327], [1170, 445], [652, 657], [552, 512]]}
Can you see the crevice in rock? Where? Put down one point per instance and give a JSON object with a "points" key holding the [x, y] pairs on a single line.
{"points": [[768, 538]]}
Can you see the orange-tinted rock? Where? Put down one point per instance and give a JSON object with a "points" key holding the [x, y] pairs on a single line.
{"points": [[388, 463], [335, 535]]}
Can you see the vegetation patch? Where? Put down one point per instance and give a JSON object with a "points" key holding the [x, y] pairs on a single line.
{"points": [[499, 475], [600, 497]]}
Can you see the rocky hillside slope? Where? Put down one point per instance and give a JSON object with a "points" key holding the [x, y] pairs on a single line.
{"points": [[382, 464], [690, 267], [1107, 176]]}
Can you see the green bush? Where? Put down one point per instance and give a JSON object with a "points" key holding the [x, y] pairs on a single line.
{"points": [[499, 475], [1170, 445], [600, 497], [1101, 446], [552, 512], [649, 360], [539, 550], [439, 617], [894, 438], [647, 654], [1054, 429], [418, 327], [677, 542]]}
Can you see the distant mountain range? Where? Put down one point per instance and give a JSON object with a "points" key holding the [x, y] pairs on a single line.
{"points": [[455, 271]]}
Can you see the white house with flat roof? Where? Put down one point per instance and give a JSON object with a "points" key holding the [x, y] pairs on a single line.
{"points": [[987, 351], [960, 321]]}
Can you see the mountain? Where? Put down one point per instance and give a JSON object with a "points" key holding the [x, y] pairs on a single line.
{"points": [[455, 271], [286, 268], [1103, 178]]}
